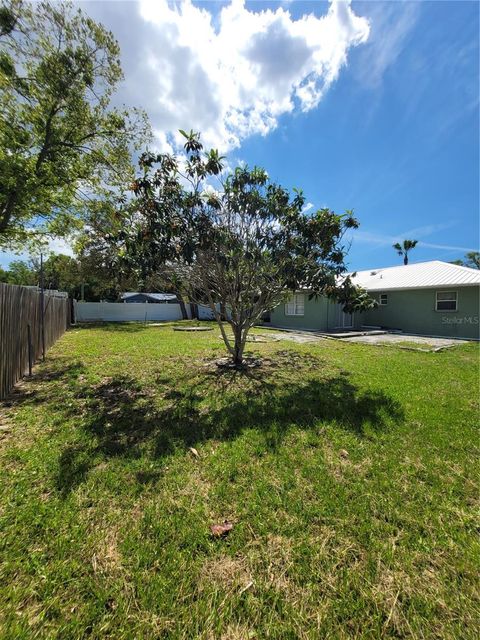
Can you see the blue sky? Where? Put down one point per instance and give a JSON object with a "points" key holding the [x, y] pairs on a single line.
{"points": [[370, 105], [398, 145]]}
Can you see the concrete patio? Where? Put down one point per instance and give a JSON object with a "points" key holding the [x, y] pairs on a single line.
{"points": [[367, 336]]}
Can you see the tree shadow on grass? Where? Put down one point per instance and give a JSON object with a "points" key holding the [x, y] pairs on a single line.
{"points": [[45, 384], [123, 419]]}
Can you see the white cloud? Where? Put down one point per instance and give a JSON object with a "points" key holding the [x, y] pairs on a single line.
{"points": [[161, 143], [384, 240], [446, 247], [391, 25], [60, 245], [233, 74], [307, 207]]}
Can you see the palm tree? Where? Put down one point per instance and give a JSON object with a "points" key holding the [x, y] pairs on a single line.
{"points": [[404, 248]]}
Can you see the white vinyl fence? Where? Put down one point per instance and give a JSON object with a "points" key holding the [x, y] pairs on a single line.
{"points": [[124, 312], [205, 313]]}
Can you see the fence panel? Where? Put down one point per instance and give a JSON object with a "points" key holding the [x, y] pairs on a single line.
{"points": [[20, 307], [125, 312]]}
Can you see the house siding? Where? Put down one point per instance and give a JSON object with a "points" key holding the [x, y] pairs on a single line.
{"points": [[320, 314], [413, 311], [410, 311]]}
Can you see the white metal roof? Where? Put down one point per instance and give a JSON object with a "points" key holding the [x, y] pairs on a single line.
{"points": [[421, 275]]}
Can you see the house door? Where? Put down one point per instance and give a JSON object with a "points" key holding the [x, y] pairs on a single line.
{"points": [[344, 320]]}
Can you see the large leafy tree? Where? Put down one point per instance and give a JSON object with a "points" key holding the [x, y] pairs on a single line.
{"points": [[85, 275], [59, 272], [60, 141], [20, 272], [405, 248], [97, 256], [240, 249]]}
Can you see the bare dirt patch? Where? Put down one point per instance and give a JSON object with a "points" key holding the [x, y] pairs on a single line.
{"points": [[301, 337], [227, 363]]}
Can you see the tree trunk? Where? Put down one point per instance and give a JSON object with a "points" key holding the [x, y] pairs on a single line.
{"points": [[7, 210], [405, 259], [239, 345]]}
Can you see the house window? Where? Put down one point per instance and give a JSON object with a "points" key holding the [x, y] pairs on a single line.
{"points": [[446, 301], [383, 299], [296, 305]]}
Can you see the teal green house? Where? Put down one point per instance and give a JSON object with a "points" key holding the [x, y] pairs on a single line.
{"points": [[428, 298]]}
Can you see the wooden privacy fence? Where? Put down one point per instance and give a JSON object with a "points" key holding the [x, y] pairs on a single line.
{"points": [[22, 340]]}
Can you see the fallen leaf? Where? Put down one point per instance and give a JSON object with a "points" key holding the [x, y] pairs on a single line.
{"points": [[221, 530], [194, 452]]}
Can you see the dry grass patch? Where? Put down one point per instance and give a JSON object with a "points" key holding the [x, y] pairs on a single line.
{"points": [[238, 632], [279, 557], [273, 560], [390, 591], [226, 574], [107, 558], [340, 465]]}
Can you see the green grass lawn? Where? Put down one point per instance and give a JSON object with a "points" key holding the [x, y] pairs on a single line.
{"points": [[348, 470]]}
